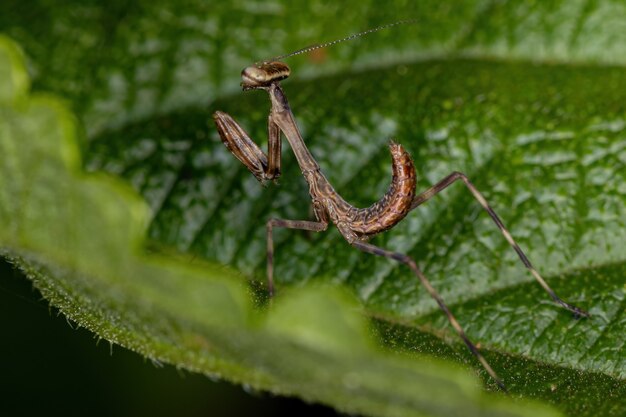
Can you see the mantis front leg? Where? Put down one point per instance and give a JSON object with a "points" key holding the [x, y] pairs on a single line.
{"points": [[312, 226], [239, 144]]}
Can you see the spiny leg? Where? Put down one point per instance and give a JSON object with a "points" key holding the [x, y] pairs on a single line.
{"points": [[243, 148], [375, 250], [289, 224], [441, 185]]}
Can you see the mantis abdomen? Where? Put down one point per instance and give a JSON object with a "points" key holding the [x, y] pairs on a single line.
{"points": [[395, 204]]}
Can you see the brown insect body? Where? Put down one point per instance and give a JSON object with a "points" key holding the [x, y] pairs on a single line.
{"points": [[380, 216], [396, 203], [361, 223], [355, 224]]}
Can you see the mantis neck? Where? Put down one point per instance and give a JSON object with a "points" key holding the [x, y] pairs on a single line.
{"points": [[283, 117]]}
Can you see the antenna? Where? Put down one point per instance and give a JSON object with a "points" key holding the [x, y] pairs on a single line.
{"points": [[347, 38]]}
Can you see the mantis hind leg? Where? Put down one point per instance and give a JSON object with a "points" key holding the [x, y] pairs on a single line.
{"points": [[405, 259], [459, 176]]}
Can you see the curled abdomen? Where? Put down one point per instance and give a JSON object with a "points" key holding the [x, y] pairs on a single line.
{"points": [[395, 204]]}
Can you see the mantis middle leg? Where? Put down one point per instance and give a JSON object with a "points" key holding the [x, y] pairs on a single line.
{"points": [[289, 224]]}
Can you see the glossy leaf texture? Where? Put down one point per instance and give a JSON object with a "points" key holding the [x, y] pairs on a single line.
{"points": [[123, 61], [78, 237], [524, 97], [559, 190]]}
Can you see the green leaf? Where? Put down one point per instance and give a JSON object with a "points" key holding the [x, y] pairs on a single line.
{"points": [[545, 144], [123, 61], [79, 237], [554, 206]]}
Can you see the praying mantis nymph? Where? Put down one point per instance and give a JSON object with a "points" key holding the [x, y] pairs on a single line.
{"points": [[356, 225]]}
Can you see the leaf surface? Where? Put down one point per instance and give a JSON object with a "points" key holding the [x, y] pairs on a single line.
{"points": [[539, 129]]}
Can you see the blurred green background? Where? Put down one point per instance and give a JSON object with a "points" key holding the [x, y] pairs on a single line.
{"points": [[48, 367]]}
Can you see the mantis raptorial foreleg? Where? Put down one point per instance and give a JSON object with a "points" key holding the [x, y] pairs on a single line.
{"points": [[239, 144]]}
